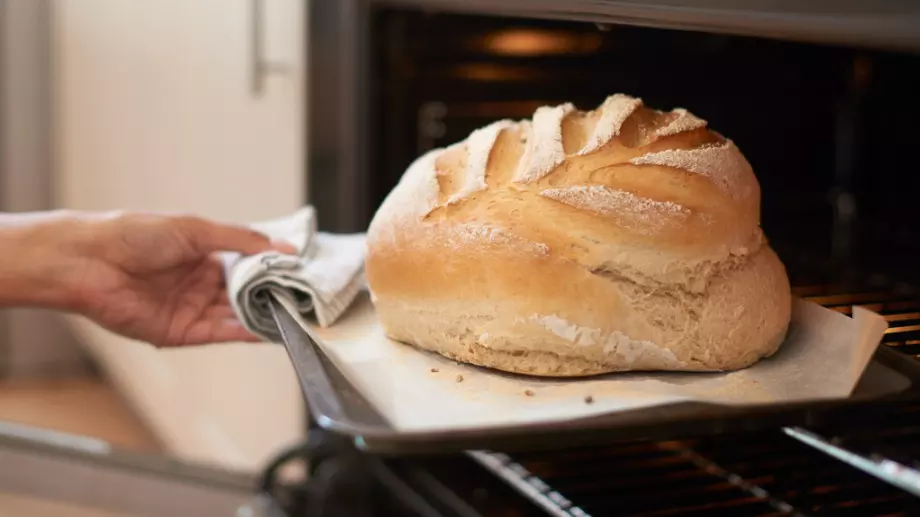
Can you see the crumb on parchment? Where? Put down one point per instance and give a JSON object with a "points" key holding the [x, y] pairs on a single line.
{"points": [[434, 370], [529, 393], [589, 399], [459, 378]]}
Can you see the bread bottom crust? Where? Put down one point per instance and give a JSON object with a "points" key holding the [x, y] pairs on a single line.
{"points": [[541, 363], [600, 323]]}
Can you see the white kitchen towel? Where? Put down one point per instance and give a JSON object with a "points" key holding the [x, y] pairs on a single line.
{"points": [[323, 278]]}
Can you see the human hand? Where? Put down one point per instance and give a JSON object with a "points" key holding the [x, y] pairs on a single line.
{"points": [[156, 278]]}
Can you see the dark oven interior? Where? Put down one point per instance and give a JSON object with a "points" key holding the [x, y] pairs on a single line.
{"points": [[830, 132]]}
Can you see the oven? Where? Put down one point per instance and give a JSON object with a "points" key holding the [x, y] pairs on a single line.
{"points": [[820, 97]]}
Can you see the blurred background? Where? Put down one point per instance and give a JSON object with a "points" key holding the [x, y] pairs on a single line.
{"points": [[159, 105]]}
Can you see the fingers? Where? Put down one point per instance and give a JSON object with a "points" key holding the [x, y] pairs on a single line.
{"points": [[210, 237]]}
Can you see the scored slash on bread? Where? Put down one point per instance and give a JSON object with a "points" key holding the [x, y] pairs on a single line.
{"points": [[574, 243]]}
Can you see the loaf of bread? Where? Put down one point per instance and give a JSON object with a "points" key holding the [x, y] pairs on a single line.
{"points": [[579, 243]]}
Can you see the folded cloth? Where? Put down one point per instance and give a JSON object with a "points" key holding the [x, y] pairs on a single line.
{"points": [[323, 278]]}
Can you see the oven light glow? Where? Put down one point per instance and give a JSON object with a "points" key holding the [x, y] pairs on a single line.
{"points": [[532, 42]]}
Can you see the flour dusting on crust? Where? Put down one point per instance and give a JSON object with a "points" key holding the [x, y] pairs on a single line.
{"points": [[720, 163], [544, 147], [461, 236], [479, 147], [685, 121], [614, 111], [632, 211], [613, 343], [421, 187]]}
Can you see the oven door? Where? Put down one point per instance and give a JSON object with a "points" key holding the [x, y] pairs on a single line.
{"points": [[50, 473]]}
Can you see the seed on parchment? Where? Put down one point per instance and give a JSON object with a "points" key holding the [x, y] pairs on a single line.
{"points": [[434, 370], [529, 393], [459, 378], [589, 400]]}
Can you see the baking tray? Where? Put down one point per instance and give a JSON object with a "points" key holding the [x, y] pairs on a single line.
{"points": [[339, 407]]}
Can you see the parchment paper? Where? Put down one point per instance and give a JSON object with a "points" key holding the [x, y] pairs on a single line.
{"points": [[823, 357]]}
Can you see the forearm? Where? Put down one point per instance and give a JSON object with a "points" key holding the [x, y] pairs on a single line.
{"points": [[33, 261]]}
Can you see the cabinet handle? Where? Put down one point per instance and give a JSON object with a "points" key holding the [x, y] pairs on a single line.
{"points": [[260, 67]]}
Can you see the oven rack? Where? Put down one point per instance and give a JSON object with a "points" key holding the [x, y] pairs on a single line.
{"points": [[793, 472], [767, 474]]}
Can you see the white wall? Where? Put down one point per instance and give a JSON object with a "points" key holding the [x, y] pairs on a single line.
{"points": [[154, 112]]}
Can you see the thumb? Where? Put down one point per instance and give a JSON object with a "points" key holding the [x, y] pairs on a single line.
{"points": [[208, 237]]}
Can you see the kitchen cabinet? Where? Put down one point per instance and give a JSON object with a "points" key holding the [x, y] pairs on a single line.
{"points": [[191, 107]]}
